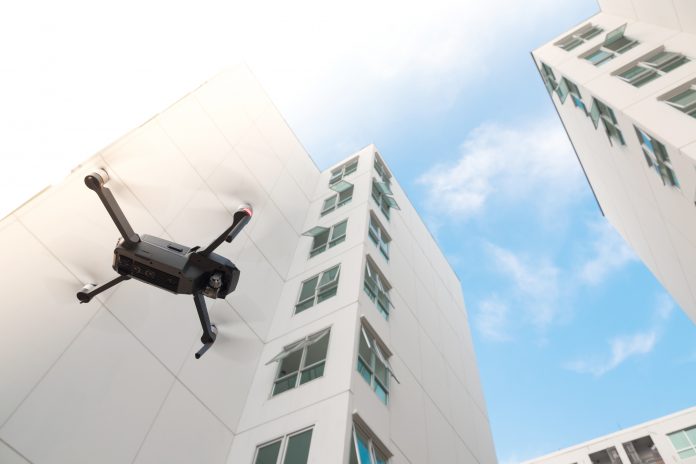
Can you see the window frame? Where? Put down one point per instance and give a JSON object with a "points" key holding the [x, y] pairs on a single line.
{"points": [[378, 234], [347, 168], [383, 199], [337, 201], [691, 441], [315, 298], [657, 158], [606, 50], [379, 356], [611, 125], [579, 37], [284, 440], [651, 70], [380, 287], [304, 345], [331, 240], [690, 108], [549, 77], [381, 168], [372, 447]]}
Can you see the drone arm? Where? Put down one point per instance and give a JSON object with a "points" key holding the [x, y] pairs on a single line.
{"points": [[89, 291], [209, 331], [240, 219], [95, 181]]}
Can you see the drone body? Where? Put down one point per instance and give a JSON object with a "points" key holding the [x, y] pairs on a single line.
{"points": [[167, 265]]}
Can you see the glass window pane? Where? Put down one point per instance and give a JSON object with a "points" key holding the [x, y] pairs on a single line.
{"points": [[329, 203], [364, 371], [345, 196], [291, 363], [317, 351], [312, 373], [633, 72], [691, 433], [594, 113], [321, 239], [616, 34], [285, 384], [342, 186], [363, 449], [685, 98], [563, 90], [687, 453], [329, 276], [381, 393], [308, 288], [599, 57], [327, 293], [679, 440], [268, 454], [381, 372], [339, 229], [351, 167], [364, 350], [298, 448]]}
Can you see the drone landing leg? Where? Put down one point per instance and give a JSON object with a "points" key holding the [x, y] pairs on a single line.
{"points": [[95, 181], [89, 291], [239, 220], [209, 330]]}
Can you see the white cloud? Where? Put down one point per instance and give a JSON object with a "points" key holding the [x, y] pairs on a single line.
{"points": [[627, 346], [610, 253], [621, 349], [511, 162], [491, 319], [536, 281]]}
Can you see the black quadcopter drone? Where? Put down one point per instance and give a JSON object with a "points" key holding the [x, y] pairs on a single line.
{"points": [[167, 265]]}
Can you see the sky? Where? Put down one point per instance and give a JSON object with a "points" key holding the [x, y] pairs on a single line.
{"points": [[560, 307]]}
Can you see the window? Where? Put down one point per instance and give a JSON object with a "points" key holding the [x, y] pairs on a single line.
{"points": [[567, 87], [651, 66], [685, 100], [344, 195], [607, 456], [657, 158], [340, 172], [300, 362], [382, 169], [378, 235], [549, 78], [600, 111], [382, 194], [291, 449], [579, 37], [364, 450], [614, 43], [684, 442], [377, 287], [643, 451], [318, 288], [373, 365], [326, 237]]}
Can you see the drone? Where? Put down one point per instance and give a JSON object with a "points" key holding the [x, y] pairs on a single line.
{"points": [[167, 265]]}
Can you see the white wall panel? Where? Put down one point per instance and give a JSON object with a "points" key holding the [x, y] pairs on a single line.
{"points": [[97, 402]]}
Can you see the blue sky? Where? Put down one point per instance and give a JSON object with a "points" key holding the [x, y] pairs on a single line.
{"points": [[574, 337]]}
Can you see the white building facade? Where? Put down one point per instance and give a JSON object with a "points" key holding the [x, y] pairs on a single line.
{"points": [[624, 85], [342, 292], [667, 440]]}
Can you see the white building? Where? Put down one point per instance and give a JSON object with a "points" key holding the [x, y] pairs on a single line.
{"points": [[667, 440], [341, 285], [624, 85]]}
